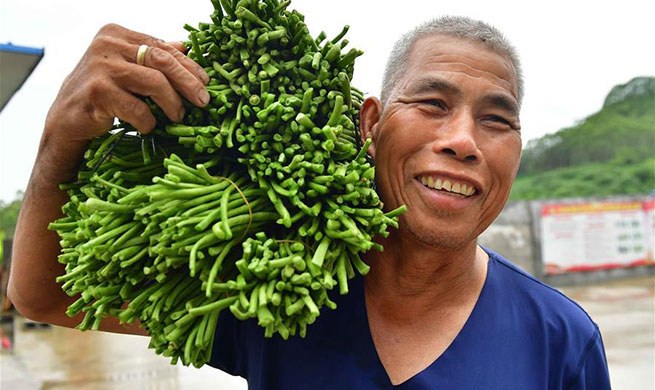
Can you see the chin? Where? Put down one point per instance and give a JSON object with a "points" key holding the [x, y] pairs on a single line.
{"points": [[443, 238]]}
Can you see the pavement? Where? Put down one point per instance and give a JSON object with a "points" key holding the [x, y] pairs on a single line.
{"points": [[58, 358], [625, 313], [55, 358]]}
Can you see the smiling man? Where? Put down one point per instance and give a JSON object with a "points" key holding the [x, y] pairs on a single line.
{"points": [[443, 312], [436, 311]]}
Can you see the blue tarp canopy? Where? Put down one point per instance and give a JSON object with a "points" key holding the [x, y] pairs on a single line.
{"points": [[16, 65]]}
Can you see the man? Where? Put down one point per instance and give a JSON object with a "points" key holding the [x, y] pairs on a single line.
{"points": [[436, 310]]}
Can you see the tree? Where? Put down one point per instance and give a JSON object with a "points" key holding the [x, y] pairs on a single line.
{"points": [[9, 215]]}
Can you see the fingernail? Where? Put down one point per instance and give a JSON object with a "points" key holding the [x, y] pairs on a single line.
{"points": [[203, 76], [203, 95], [181, 114]]}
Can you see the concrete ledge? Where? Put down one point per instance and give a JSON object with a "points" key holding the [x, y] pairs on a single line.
{"points": [[598, 276]]}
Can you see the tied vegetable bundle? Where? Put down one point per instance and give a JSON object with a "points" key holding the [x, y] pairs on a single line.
{"points": [[260, 203]]}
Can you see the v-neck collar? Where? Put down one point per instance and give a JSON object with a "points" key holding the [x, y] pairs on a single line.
{"points": [[381, 375]]}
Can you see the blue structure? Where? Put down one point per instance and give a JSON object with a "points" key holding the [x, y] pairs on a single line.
{"points": [[16, 65]]}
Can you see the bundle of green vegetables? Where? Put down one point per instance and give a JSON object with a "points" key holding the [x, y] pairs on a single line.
{"points": [[260, 203]]}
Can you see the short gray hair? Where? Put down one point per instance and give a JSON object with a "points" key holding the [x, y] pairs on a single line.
{"points": [[454, 26]]}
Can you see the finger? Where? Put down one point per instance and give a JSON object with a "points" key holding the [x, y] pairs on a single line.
{"points": [[127, 107], [179, 76], [178, 46], [187, 62], [137, 39], [150, 82]]}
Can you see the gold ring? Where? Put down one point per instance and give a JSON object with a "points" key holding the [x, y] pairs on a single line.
{"points": [[141, 54]]}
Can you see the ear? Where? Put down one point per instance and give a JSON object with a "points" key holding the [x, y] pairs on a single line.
{"points": [[369, 122]]}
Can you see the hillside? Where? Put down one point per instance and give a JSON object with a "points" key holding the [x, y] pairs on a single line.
{"points": [[611, 152]]}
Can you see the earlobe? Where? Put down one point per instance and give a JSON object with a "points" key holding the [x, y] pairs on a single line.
{"points": [[369, 120]]}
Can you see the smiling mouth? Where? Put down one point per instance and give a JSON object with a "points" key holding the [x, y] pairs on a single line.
{"points": [[447, 186]]}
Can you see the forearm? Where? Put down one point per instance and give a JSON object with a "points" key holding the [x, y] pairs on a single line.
{"points": [[32, 287], [102, 87]]}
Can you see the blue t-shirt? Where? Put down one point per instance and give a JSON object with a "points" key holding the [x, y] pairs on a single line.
{"points": [[520, 335]]}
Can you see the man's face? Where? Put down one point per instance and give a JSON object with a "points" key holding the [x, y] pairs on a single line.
{"points": [[447, 143]]}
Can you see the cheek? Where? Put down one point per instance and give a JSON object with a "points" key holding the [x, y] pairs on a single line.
{"points": [[405, 133], [514, 157], [503, 159], [397, 142]]}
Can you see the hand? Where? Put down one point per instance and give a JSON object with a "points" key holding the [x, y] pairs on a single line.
{"points": [[104, 83], [101, 87]]}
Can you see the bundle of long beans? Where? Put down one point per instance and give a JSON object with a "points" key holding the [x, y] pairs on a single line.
{"points": [[260, 203]]}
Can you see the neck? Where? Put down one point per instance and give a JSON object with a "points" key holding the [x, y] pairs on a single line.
{"points": [[410, 278]]}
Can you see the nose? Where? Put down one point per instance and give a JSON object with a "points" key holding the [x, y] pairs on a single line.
{"points": [[457, 138]]}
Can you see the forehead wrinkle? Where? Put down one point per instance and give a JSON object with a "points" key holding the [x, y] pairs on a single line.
{"points": [[503, 72], [449, 56]]}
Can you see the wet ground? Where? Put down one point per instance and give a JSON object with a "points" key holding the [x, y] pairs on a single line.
{"points": [[58, 358], [63, 359], [625, 314]]}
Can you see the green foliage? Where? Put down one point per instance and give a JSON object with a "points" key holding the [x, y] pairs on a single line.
{"points": [[624, 128], [639, 86], [9, 215], [608, 153], [593, 179]]}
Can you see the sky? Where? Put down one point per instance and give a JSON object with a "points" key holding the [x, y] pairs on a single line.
{"points": [[572, 52]]}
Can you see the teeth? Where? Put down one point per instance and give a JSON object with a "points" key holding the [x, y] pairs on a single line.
{"points": [[437, 184]]}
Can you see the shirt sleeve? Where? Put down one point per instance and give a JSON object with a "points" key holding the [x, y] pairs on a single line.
{"points": [[226, 354], [593, 372]]}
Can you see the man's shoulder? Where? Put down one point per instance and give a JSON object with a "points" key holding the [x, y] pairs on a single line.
{"points": [[553, 325], [546, 307]]}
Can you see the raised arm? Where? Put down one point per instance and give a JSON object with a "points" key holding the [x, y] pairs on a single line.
{"points": [[101, 87]]}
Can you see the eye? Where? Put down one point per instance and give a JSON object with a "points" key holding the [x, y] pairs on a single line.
{"points": [[435, 103], [497, 119]]}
